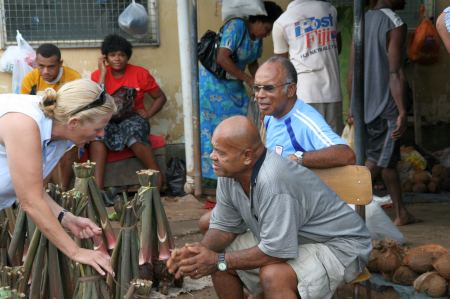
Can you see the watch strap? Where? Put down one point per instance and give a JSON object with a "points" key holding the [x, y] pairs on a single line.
{"points": [[61, 215]]}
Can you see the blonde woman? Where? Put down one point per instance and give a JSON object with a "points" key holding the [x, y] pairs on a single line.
{"points": [[34, 133]]}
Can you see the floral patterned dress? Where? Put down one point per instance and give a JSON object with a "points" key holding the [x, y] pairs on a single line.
{"points": [[220, 99]]}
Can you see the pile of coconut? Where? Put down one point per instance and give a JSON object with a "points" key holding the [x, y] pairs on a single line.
{"points": [[420, 181], [419, 176], [426, 267]]}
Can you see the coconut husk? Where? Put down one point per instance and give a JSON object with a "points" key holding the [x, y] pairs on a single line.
{"points": [[420, 259], [432, 284], [404, 275], [419, 188], [442, 265], [439, 170], [419, 262], [421, 176], [372, 265], [390, 258], [434, 186], [407, 186]]}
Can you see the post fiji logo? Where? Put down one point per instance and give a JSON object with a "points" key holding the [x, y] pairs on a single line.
{"points": [[317, 32]]}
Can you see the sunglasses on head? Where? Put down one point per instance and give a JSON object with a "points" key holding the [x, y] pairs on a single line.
{"points": [[100, 100], [268, 87]]}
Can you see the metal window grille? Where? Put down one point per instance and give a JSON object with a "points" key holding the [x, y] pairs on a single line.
{"points": [[71, 23]]}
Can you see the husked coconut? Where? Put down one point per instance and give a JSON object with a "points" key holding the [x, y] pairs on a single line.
{"points": [[419, 188], [404, 275], [432, 284], [421, 176], [420, 259], [419, 262], [434, 185], [442, 265], [438, 170], [372, 265], [390, 258], [407, 186]]}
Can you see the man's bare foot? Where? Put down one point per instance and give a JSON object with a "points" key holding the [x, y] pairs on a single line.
{"points": [[405, 220]]}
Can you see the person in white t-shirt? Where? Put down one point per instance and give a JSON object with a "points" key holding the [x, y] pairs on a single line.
{"points": [[306, 33]]}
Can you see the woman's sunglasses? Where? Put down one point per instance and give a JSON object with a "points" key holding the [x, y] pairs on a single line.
{"points": [[100, 100]]}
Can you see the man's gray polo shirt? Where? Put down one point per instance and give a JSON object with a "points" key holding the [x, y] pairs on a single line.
{"points": [[290, 206]]}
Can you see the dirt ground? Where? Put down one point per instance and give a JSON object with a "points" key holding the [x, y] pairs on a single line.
{"points": [[184, 212]]}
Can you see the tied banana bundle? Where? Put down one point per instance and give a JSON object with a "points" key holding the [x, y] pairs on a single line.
{"points": [[156, 239], [124, 259]]}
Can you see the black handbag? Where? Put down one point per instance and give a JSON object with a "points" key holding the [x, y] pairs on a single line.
{"points": [[207, 52]]}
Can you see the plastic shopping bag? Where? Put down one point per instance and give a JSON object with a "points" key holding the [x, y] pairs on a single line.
{"points": [[348, 134], [18, 60], [23, 51], [242, 8], [425, 42], [134, 20]]}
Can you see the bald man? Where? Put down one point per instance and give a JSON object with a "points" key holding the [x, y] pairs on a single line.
{"points": [[275, 234]]}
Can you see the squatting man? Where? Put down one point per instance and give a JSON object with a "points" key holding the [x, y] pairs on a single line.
{"points": [[274, 234]]}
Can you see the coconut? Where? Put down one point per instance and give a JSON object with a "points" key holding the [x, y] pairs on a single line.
{"points": [[419, 262], [372, 265], [442, 265], [433, 187], [432, 284], [390, 257], [421, 176], [404, 275], [438, 170], [419, 188], [420, 259], [407, 186]]}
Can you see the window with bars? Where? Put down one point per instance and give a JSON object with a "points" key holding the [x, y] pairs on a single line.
{"points": [[71, 23]]}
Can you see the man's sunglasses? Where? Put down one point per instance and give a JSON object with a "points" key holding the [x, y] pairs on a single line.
{"points": [[100, 100], [269, 87]]}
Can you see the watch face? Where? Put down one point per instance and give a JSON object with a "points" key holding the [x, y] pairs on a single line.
{"points": [[222, 266]]}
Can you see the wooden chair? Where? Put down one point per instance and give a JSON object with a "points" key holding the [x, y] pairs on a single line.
{"points": [[353, 184]]}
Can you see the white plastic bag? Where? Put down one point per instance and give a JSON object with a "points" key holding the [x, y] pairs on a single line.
{"points": [[242, 8], [18, 60], [348, 134], [134, 20], [379, 224], [23, 51]]}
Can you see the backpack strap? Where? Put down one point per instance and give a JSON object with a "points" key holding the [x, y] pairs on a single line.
{"points": [[393, 17]]}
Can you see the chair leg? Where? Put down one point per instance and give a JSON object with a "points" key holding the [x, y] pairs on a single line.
{"points": [[356, 291], [368, 290]]}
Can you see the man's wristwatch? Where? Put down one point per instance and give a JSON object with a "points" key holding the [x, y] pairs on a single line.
{"points": [[221, 263], [299, 156]]}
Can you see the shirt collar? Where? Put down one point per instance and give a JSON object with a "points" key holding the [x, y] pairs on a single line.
{"points": [[47, 131], [258, 166]]}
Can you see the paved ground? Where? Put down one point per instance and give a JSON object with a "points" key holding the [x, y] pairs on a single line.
{"points": [[184, 212]]}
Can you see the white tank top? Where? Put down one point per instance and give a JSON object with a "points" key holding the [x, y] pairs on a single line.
{"points": [[52, 151]]}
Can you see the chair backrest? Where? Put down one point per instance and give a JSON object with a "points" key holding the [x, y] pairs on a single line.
{"points": [[352, 183]]}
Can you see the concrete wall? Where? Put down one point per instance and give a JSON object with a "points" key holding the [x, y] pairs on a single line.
{"points": [[163, 62], [433, 84]]}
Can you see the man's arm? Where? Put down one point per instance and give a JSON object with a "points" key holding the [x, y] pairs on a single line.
{"points": [[197, 260], [27, 84], [396, 41], [333, 156]]}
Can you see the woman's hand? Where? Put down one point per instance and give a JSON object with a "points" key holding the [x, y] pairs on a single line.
{"points": [[100, 261], [82, 228], [143, 113]]}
